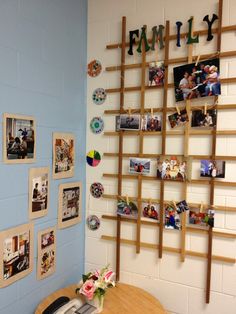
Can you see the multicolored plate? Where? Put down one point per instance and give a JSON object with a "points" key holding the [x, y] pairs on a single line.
{"points": [[94, 68], [97, 125], [93, 158], [93, 222], [99, 96], [96, 189]]}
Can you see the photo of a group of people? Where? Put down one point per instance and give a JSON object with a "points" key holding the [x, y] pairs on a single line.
{"points": [[204, 119], [151, 210], [19, 142], [156, 73], [193, 81], [201, 219], [178, 119], [212, 168], [127, 209], [172, 168], [47, 239], [139, 165], [137, 122]]}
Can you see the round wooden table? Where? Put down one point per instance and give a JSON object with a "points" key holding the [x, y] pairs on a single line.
{"points": [[122, 299]]}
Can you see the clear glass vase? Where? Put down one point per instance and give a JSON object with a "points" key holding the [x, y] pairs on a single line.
{"points": [[97, 302]]}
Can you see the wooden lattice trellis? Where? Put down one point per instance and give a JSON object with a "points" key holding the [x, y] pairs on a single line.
{"points": [[187, 133]]}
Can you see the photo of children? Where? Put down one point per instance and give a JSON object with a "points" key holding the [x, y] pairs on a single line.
{"points": [[71, 203], [64, 154], [151, 123], [139, 165], [201, 119], [212, 168], [151, 211], [39, 193], [177, 119], [156, 73], [19, 138], [201, 219], [128, 122], [127, 209], [192, 81], [172, 168], [172, 218]]}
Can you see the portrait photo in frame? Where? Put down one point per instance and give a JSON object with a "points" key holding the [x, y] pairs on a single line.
{"points": [[16, 249], [46, 252], [69, 204], [19, 139], [63, 155], [38, 192]]}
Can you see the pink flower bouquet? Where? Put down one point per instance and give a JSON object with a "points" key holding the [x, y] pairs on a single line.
{"points": [[94, 284]]}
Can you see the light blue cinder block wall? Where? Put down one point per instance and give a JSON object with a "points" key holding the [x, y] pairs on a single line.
{"points": [[43, 73]]}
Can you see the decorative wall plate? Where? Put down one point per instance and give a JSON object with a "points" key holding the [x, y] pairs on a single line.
{"points": [[96, 189], [97, 125], [93, 158], [99, 96], [94, 68], [93, 222]]}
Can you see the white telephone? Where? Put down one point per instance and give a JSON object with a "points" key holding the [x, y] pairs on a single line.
{"points": [[76, 306]]}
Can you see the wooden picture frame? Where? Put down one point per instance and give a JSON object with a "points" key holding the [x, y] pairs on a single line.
{"points": [[69, 204], [19, 139], [39, 185], [63, 155], [46, 265], [16, 250]]}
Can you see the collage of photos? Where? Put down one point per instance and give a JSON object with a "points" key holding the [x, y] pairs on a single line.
{"points": [[172, 168], [139, 165], [201, 219], [19, 139], [127, 209], [194, 81], [46, 252], [212, 169], [156, 73], [178, 119], [69, 209], [137, 122], [151, 210], [204, 119], [17, 254], [63, 155], [38, 192]]}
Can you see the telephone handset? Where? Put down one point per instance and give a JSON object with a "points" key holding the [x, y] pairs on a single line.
{"points": [[76, 306]]}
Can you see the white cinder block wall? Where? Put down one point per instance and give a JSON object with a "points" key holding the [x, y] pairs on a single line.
{"points": [[179, 286]]}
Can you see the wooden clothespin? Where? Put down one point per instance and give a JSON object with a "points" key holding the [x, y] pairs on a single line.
{"points": [[129, 111], [151, 112], [174, 204], [198, 58], [177, 109], [150, 202], [205, 109], [127, 199], [201, 207]]}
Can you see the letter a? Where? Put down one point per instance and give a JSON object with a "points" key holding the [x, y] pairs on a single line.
{"points": [[143, 37]]}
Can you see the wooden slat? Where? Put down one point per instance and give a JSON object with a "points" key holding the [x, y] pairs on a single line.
{"points": [[172, 250], [155, 156], [171, 85], [120, 164], [182, 35], [219, 234], [173, 109], [225, 54]]}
